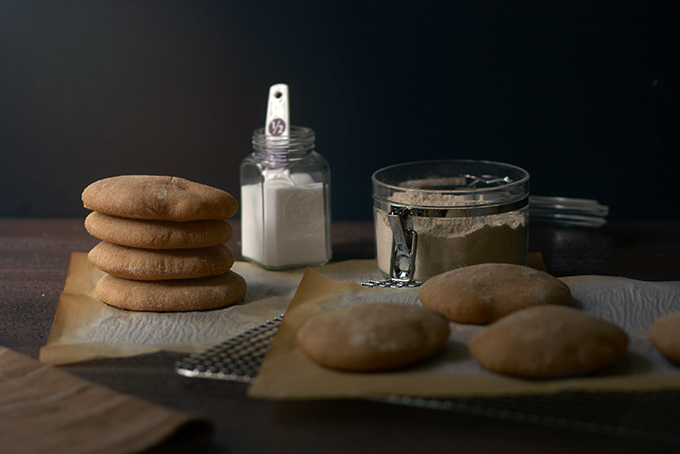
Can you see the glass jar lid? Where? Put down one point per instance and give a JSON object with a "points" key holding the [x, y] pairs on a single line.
{"points": [[451, 188]]}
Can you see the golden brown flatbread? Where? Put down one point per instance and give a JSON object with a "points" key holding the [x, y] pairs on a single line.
{"points": [[158, 234], [161, 198], [373, 337], [548, 341], [483, 293], [665, 335], [165, 264], [176, 295]]}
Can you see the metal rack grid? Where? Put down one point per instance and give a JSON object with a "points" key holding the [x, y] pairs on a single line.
{"points": [[648, 415], [236, 359]]}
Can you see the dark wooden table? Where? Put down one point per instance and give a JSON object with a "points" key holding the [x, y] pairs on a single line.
{"points": [[34, 256]]}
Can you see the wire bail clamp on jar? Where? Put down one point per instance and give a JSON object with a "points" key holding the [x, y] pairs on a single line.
{"points": [[403, 253], [404, 247]]}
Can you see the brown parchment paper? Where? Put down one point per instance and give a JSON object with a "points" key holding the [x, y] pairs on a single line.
{"points": [[287, 373], [84, 328], [47, 410]]}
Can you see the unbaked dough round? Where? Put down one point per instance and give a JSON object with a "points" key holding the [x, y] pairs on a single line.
{"points": [[373, 337], [481, 294], [665, 335], [157, 197], [162, 264], [549, 341], [176, 295], [149, 234]]}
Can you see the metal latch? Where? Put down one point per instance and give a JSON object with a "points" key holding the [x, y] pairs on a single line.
{"points": [[403, 253], [404, 244]]}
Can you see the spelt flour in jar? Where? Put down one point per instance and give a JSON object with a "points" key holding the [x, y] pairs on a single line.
{"points": [[448, 243], [459, 219]]}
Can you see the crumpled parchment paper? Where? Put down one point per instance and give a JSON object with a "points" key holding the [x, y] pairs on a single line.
{"points": [[84, 328], [287, 373]]}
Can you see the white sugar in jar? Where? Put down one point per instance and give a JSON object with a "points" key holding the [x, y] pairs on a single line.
{"points": [[435, 216], [285, 201]]}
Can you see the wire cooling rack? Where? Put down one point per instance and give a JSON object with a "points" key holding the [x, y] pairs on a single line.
{"points": [[647, 415], [236, 359]]}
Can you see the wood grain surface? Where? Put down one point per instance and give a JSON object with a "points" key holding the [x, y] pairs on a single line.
{"points": [[34, 256]]}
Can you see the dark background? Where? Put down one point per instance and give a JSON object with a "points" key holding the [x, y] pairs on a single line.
{"points": [[584, 95]]}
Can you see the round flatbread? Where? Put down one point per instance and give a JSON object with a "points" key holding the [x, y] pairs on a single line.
{"points": [[481, 294], [158, 234], [176, 295], [373, 337], [161, 198], [549, 341], [665, 335], [154, 265]]}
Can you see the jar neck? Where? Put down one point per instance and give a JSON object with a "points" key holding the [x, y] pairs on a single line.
{"points": [[297, 145]]}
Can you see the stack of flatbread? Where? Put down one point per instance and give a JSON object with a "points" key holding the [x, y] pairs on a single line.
{"points": [[163, 243]]}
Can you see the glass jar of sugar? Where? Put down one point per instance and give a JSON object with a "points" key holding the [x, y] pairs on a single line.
{"points": [[285, 201], [434, 216]]}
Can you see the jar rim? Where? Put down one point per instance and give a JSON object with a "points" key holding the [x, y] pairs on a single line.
{"points": [[299, 140], [441, 182]]}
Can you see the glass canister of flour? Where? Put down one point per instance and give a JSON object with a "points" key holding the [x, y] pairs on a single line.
{"points": [[285, 201], [435, 216]]}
